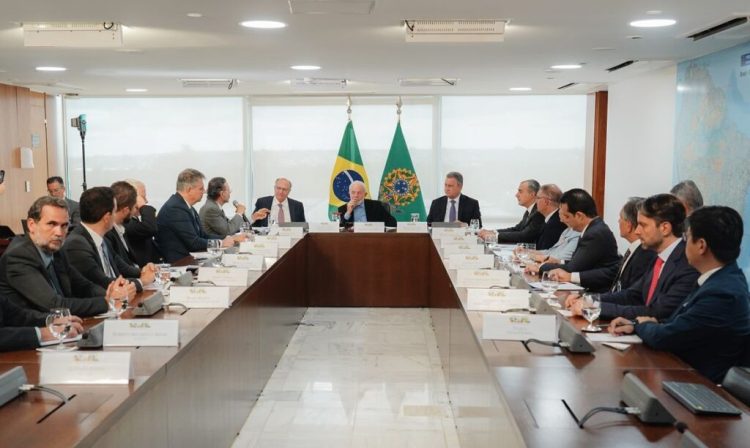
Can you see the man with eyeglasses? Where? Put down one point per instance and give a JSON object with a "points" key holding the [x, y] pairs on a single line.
{"points": [[280, 208], [212, 214], [56, 189], [548, 204]]}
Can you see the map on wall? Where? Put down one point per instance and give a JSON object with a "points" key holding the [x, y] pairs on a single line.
{"points": [[712, 132]]}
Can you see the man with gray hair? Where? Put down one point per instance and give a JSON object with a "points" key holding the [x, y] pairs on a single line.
{"points": [[454, 206], [689, 194], [279, 208], [530, 228], [180, 231], [141, 228], [359, 209]]}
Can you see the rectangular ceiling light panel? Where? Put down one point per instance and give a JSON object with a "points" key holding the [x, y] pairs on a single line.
{"points": [[72, 34], [345, 7]]}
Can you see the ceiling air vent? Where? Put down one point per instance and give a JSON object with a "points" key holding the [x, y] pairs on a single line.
{"points": [[226, 83], [614, 68], [343, 7], [482, 30], [72, 34], [427, 82], [567, 86], [725, 25], [314, 83]]}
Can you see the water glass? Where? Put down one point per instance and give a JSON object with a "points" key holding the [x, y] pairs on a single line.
{"points": [[592, 308], [335, 216], [474, 225], [214, 248], [58, 323], [549, 285], [118, 301], [415, 217], [163, 274]]}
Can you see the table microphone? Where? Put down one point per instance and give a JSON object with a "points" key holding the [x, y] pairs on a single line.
{"points": [[236, 204]]}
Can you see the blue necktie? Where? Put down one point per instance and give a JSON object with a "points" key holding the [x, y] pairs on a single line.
{"points": [[452, 213]]}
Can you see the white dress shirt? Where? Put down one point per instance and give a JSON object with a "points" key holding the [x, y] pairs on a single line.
{"points": [[98, 240], [273, 216], [448, 208]]}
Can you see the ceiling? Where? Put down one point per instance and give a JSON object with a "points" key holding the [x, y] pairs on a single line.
{"points": [[163, 45]]}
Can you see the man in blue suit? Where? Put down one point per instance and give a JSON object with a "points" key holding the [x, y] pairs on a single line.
{"points": [[180, 231], [711, 329]]}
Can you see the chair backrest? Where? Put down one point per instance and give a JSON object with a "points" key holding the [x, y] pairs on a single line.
{"points": [[25, 226]]}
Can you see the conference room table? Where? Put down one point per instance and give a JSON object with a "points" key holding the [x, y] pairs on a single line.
{"points": [[201, 392]]}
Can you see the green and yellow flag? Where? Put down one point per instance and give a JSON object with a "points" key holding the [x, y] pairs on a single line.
{"points": [[347, 169], [399, 185]]}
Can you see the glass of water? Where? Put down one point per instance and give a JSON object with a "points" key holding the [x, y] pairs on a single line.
{"points": [[58, 323], [163, 274], [549, 285], [214, 248], [592, 308], [335, 216], [415, 217], [474, 225]]}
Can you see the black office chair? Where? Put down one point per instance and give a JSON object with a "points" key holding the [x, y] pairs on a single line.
{"points": [[25, 226]]}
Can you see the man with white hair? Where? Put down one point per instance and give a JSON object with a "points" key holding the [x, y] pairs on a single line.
{"points": [[279, 208], [359, 209]]}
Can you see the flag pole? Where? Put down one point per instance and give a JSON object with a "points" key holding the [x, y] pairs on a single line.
{"points": [[349, 107], [399, 103]]}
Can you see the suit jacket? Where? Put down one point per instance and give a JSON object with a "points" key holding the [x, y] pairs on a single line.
{"points": [[641, 260], [676, 281], [119, 248], [215, 221], [24, 280], [74, 212], [711, 327], [140, 233], [180, 231], [528, 230], [296, 210], [84, 256], [375, 212], [468, 209], [551, 232], [17, 326], [595, 258]]}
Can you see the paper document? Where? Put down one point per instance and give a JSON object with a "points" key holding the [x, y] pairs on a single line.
{"points": [[606, 337], [561, 287], [201, 255]]}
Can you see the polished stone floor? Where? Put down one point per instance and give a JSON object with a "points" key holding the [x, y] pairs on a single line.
{"points": [[355, 377]]}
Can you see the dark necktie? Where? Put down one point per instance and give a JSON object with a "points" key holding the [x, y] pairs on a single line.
{"points": [[658, 264], [525, 218], [108, 270], [452, 212], [53, 278], [616, 283]]}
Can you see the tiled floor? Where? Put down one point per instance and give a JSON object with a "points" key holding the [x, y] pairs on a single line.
{"points": [[355, 377]]}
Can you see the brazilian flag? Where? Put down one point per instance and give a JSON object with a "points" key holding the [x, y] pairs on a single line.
{"points": [[399, 185], [347, 169]]}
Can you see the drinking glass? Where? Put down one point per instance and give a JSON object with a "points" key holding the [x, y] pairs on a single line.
{"points": [[247, 229], [214, 248], [592, 308], [163, 274], [118, 301], [335, 216], [474, 225], [415, 217], [549, 285], [58, 322]]}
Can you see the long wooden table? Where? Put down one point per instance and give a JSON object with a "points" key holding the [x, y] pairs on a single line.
{"points": [[200, 393]]}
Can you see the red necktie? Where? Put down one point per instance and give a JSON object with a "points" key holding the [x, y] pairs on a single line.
{"points": [[658, 264]]}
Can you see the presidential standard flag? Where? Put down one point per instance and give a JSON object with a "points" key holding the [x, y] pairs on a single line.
{"points": [[399, 185], [347, 169]]}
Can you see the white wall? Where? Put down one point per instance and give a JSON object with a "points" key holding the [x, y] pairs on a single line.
{"points": [[640, 140]]}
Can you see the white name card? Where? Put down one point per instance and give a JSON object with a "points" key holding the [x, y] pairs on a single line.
{"points": [[471, 261], [324, 227], [458, 239], [369, 227], [439, 233], [519, 327], [411, 227], [244, 261], [463, 248], [497, 299], [111, 367], [294, 232], [141, 332], [265, 248], [283, 242], [473, 278], [200, 296], [223, 276]]}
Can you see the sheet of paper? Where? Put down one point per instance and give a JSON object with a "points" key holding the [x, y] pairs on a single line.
{"points": [[606, 337], [563, 286]]}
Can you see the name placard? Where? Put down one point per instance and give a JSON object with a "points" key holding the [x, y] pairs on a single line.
{"points": [[111, 367], [369, 227], [244, 261], [497, 299], [283, 242], [141, 332], [411, 227], [474, 278], [519, 327], [200, 296], [223, 276], [458, 239], [463, 248], [265, 248], [324, 227], [471, 261], [439, 233], [294, 232]]}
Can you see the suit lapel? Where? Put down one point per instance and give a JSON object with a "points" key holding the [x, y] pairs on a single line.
{"points": [[85, 234]]}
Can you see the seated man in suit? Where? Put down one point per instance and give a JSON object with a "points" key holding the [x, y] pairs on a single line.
{"points": [[141, 228], [279, 208], [670, 277], [689, 194], [125, 198], [56, 189], [212, 215], [637, 259], [548, 205], [24, 329], [461, 208], [529, 229], [36, 274], [180, 231], [595, 260], [711, 328], [91, 254], [359, 209], [561, 252]]}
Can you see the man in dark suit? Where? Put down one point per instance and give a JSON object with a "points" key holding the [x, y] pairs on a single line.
{"points": [[280, 208], [56, 188], [595, 260], [637, 259], [529, 229], [359, 209], [548, 205], [711, 328], [36, 274], [91, 254], [212, 215], [126, 198], [180, 230], [454, 206], [24, 329], [141, 228], [669, 279]]}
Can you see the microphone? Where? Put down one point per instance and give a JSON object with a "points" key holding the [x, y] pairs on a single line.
{"points": [[82, 124], [236, 204]]}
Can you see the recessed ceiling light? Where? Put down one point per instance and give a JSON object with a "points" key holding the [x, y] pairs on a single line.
{"points": [[263, 24], [195, 15], [520, 89], [138, 90], [652, 23], [566, 66], [51, 69], [305, 67]]}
